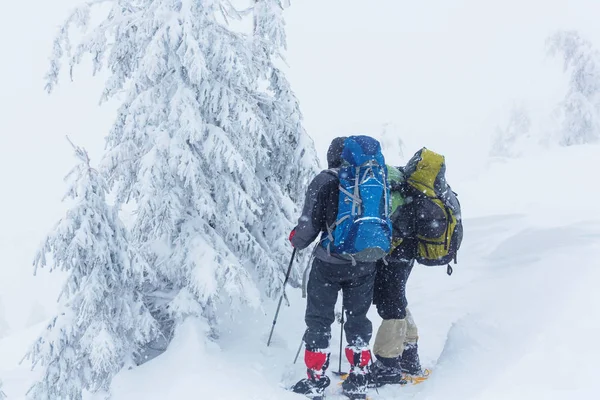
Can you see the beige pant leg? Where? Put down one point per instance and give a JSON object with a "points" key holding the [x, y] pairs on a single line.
{"points": [[389, 342], [412, 333]]}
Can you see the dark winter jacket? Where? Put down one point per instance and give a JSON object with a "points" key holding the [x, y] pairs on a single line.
{"points": [[403, 227], [320, 210]]}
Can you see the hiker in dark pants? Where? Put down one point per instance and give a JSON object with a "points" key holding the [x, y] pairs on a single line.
{"points": [[325, 281], [395, 347], [331, 273], [427, 229]]}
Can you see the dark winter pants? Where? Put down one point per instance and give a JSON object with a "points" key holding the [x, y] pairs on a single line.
{"points": [[325, 281], [390, 283], [390, 288], [397, 328]]}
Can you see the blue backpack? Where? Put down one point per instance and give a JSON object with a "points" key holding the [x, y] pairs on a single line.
{"points": [[363, 229]]}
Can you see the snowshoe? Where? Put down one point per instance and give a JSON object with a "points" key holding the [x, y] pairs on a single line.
{"points": [[418, 378], [381, 374], [409, 363], [312, 388], [357, 382], [355, 385]]}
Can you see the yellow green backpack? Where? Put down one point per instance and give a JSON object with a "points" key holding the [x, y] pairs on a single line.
{"points": [[435, 217]]}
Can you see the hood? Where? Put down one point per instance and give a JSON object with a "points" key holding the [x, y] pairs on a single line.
{"points": [[334, 154]]}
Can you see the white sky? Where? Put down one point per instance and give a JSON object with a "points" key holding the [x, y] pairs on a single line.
{"points": [[444, 72]]}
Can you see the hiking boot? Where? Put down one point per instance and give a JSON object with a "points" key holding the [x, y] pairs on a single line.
{"points": [[312, 388], [356, 384], [381, 374], [410, 363], [316, 361]]}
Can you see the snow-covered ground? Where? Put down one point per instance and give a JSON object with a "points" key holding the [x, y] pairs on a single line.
{"points": [[518, 318]]}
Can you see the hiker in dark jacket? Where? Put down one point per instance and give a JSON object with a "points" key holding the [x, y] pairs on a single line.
{"points": [[331, 273], [416, 220], [395, 347]]}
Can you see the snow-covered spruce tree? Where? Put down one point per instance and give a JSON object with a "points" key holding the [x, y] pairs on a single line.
{"points": [[102, 321], [292, 154], [506, 138], [579, 110], [2, 394], [208, 145]]}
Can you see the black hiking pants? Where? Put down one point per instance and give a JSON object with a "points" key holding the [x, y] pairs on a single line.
{"points": [[325, 281], [390, 282]]}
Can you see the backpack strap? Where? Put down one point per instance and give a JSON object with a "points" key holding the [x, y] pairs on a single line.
{"points": [[332, 172], [356, 199], [351, 195], [331, 238]]}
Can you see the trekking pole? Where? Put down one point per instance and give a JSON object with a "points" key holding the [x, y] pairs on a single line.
{"points": [[341, 345], [299, 348], [287, 277]]}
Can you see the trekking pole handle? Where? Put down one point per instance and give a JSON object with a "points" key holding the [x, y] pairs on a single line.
{"points": [[287, 277]]}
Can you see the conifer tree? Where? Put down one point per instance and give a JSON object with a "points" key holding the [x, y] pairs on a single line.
{"points": [[102, 322], [580, 109], [208, 145]]}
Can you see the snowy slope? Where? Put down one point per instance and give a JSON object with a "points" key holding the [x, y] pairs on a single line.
{"points": [[518, 319]]}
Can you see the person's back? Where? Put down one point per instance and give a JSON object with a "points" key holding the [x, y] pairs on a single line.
{"points": [[397, 331], [425, 212], [331, 272]]}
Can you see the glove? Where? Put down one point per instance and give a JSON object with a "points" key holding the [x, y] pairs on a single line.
{"points": [[292, 233]]}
